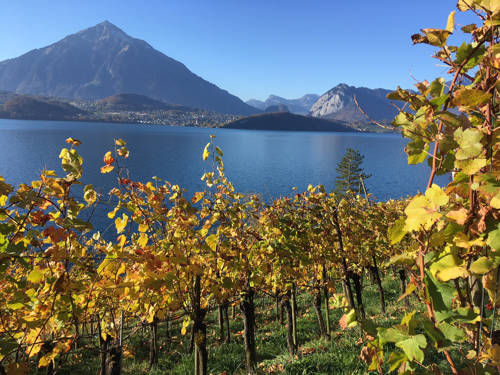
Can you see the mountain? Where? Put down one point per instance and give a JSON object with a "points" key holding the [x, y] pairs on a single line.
{"points": [[276, 108], [102, 61], [287, 121], [38, 108], [135, 102], [299, 106], [338, 104], [259, 104]]}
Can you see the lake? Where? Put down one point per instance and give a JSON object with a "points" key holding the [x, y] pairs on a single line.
{"points": [[265, 162]]}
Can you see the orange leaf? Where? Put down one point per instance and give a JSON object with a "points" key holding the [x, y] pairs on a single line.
{"points": [[108, 158]]}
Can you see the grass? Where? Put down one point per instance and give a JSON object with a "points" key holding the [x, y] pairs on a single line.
{"points": [[316, 355]]}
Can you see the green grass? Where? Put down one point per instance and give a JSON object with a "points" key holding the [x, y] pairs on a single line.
{"points": [[340, 355]]}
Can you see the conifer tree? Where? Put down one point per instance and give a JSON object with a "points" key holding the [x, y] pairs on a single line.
{"points": [[350, 173]]}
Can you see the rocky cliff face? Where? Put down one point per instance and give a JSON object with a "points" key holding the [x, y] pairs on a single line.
{"points": [[338, 103], [102, 61]]}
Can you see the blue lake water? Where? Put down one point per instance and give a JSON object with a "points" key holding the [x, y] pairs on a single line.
{"points": [[265, 162]]}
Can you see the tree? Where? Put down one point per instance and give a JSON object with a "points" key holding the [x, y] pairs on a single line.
{"points": [[351, 175]]}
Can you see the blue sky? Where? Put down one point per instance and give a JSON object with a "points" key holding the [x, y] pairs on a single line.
{"points": [[254, 48]]}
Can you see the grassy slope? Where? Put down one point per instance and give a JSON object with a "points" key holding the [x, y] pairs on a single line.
{"points": [[318, 356]]}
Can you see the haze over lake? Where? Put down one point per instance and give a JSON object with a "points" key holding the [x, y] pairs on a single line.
{"points": [[265, 162]]}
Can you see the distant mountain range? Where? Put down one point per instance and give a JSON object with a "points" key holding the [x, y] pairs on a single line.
{"points": [[338, 104], [287, 121], [276, 108], [101, 72], [102, 61], [299, 106]]}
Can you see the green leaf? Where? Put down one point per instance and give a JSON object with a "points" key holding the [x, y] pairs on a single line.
{"points": [[396, 231], [401, 119], [433, 333], [212, 241], [468, 51], [465, 97], [494, 239], [469, 141], [391, 335], [15, 305], [417, 151], [483, 265], [448, 266], [452, 333], [413, 347], [405, 258], [396, 359], [470, 166], [434, 37], [441, 294], [450, 119], [369, 327], [409, 321], [436, 88], [469, 28]]}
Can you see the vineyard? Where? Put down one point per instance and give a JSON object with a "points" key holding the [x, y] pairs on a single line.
{"points": [[177, 261]]}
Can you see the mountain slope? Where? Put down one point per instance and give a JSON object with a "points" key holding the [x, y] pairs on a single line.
{"points": [[338, 104], [287, 121], [135, 102], [39, 108], [299, 106], [102, 61]]}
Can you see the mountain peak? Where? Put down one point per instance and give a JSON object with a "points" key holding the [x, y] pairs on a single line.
{"points": [[104, 30], [342, 86], [102, 61]]}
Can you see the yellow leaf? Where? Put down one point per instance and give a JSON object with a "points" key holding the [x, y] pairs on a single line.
{"points": [[36, 275], [121, 240], [143, 240], [47, 359], [206, 152], [123, 152], [185, 324], [143, 227], [121, 223], [436, 196], [113, 213], [495, 201], [451, 22], [107, 168], [452, 273], [460, 216], [462, 240], [121, 270], [424, 210], [494, 354], [34, 350]]}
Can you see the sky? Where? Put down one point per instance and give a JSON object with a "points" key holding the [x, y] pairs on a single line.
{"points": [[254, 48]]}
